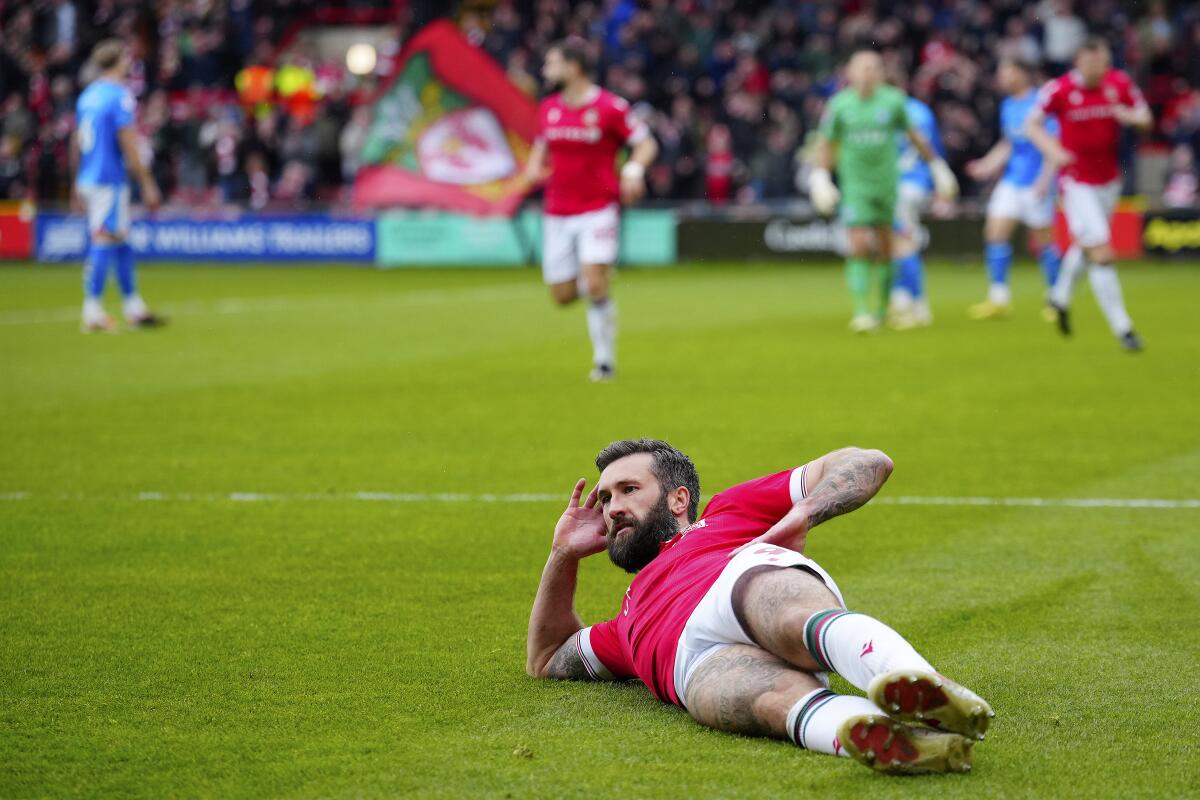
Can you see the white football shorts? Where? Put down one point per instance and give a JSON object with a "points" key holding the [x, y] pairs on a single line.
{"points": [[592, 237], [1009, 201], [1089, 208], [713, 625], [107, 208]]}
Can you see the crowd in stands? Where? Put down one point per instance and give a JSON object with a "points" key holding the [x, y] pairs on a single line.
{"points": [[732, 88]]}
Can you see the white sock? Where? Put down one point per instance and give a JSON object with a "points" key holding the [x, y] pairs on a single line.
{"points": [[134, 307], [93, 309], [858, 647], [1107, 289], [814, 721], [999, 293], [1068, 273], [602, 327], [901, 300]]}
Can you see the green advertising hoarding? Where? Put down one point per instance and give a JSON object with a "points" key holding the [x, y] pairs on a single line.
{"points": [[435, 238]]}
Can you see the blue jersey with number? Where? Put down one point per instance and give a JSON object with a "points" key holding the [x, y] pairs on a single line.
{"points": [[103, 109], [1025, 163], [913, 168]]}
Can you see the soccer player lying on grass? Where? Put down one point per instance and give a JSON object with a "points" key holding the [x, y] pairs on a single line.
{"points": [[729, 620]]}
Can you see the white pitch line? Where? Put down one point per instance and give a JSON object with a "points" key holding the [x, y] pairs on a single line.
{"points": [[546, 497]]}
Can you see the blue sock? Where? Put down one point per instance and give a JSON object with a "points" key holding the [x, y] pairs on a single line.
{"points": [[125, 277], [95, 269], [999, 258], [910, 275], [1050, 259]]}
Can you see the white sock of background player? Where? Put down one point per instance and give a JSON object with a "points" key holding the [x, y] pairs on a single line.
{"points": [[1068, 273], [1107, 289], [602, 327]]}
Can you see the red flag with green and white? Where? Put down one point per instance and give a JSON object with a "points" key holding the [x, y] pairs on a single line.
{"points": [[450, 131]]}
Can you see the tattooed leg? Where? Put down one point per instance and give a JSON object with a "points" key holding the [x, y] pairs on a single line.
{"points": [[744, 689], [773, 604]]}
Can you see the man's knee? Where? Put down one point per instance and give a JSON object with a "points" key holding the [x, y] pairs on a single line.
{"points": [[1101, 254], [744, 689], [595, 281], [564, 293], [773, 604]]}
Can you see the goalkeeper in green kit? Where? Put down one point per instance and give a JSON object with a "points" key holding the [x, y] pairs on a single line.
{"points": [[863, 122]]}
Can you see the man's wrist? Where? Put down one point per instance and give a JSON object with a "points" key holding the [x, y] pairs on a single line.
{"points": [[560, 556]]}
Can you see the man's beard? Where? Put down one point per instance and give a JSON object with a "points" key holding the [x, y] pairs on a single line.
{"points": [[639, 545]]}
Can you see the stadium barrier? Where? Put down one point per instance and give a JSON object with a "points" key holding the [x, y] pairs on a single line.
{"points": [[1174, 233], [412, 238], [441, 238], [792, 237], [393, 239], [315, 237], [16, 230]]}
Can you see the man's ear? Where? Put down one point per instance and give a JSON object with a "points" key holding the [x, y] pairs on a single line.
{"points": [[678, 500]]}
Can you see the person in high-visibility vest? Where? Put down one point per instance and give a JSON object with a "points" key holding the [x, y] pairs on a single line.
{"points": [[255, 87], [296, 85]]}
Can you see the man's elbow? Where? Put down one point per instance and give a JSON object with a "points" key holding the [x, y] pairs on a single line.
{"points": [[536, 666], [877, 458]]}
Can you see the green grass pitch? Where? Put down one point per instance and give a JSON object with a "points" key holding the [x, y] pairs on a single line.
{"points": [[195, 600]]}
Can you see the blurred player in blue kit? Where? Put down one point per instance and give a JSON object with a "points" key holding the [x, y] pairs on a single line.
{"points": [[1024, 193], [104, 151], [909, 307]]}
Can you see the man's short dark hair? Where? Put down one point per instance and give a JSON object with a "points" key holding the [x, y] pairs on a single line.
{"points": [[1095, 44], [671, 467], [107, 54], [1024, 65], [575, 49]]}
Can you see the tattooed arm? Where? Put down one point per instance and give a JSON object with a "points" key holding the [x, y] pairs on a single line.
{"points": [[840, 482], [843, 481], [551, 650]]}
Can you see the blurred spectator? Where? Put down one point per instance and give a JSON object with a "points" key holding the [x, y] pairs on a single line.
{"points": [[1181, 183], [1062, 33], [729, 87]]}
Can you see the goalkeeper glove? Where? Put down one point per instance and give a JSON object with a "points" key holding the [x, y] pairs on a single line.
{"points": [[945, 185], [821, 190]]}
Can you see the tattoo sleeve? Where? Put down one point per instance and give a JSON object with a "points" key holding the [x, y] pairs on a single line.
{"points": [[847, 484], [743, 689], [566, 664]]}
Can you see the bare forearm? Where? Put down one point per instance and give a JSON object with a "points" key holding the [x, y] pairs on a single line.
{"points": [[1044, 142], [922, 146], [849, 479], [127, 138], [996, 157], [553, 619], [536, 162], [644, 152], [822, 157]]}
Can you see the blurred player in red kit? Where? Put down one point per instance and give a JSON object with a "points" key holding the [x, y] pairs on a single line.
{"points": [[1092, 103], [581, 129]]}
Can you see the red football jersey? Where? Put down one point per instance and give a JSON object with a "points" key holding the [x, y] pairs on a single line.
{"points": [[582, 143], [641, 640], [1090, 132]]}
